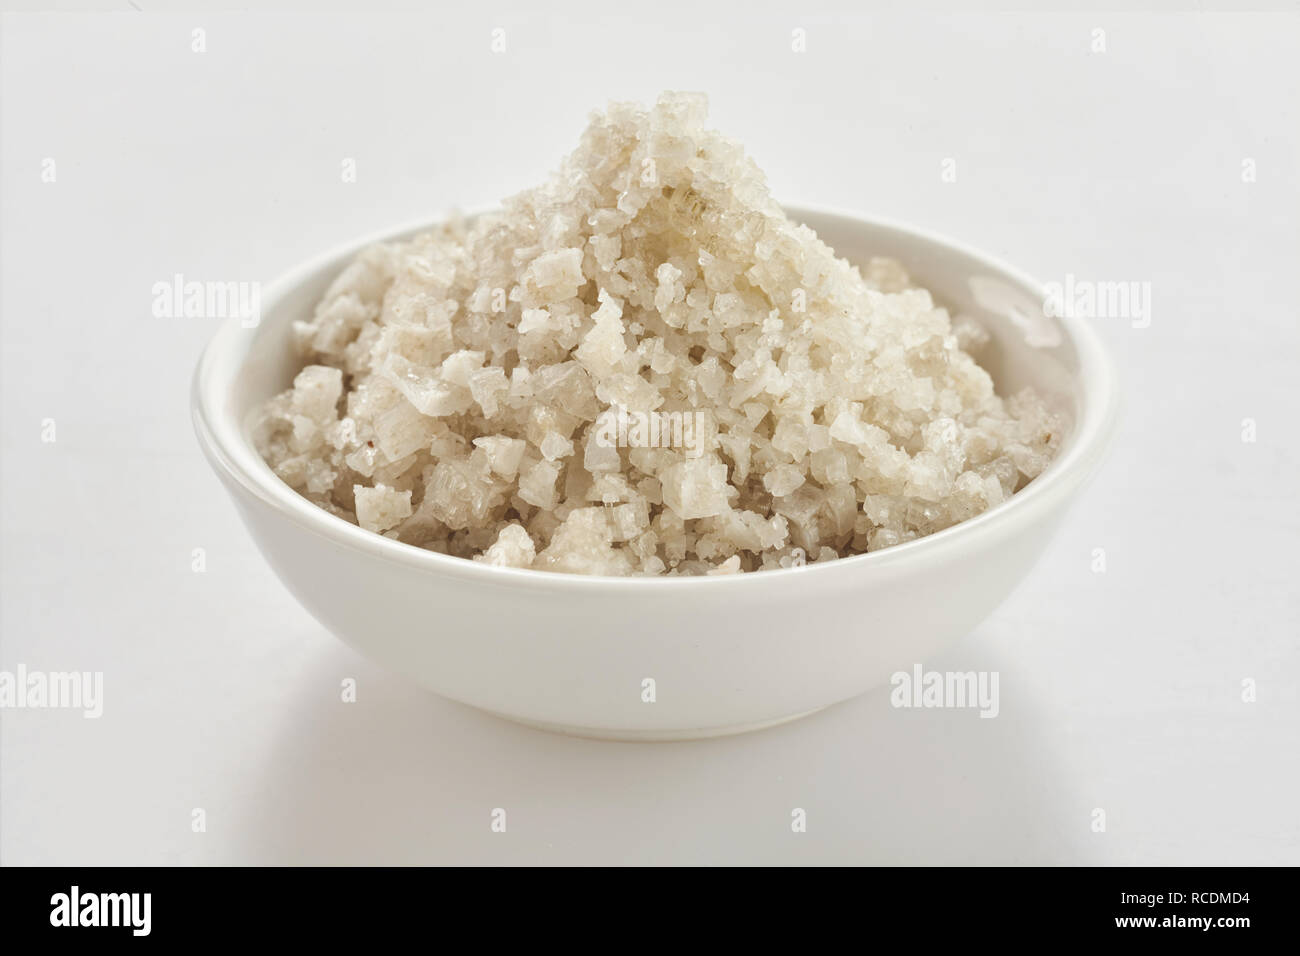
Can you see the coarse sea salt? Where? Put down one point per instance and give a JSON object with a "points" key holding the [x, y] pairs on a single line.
{"points": [[469, 391]]}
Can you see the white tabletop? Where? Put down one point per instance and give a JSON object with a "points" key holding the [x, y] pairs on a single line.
{"points": [[1120, 691]]}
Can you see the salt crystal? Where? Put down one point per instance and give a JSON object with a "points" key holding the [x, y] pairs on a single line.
{"points": [[782, 480], [453, 383], [504, 454], [380, 508], [513, 548]]}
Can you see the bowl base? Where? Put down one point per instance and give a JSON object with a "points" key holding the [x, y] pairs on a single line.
{"points": [[652, 736]]}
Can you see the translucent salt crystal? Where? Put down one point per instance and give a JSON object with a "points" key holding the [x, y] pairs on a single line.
{"points": [[834, 409], [782, 480], [583, 544], [521, 383], [730, 566], [603, 348], [305, 431], [401, 430], [419, 345], [696, 489], [425, 388], [537, 484], [669, 288], [316, 392], [554, 446], [319, 477], [513, 548], [459, 366], [504, 453], [488, 386], [599, 458], [535, 320], [556, 276], [459, 496], [629, 520], [841, 505], [567, 387], [606, 249], [380, 508], [362, 461]]}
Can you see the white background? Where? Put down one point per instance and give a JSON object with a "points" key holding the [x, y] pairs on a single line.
{"points": [[1120, 690]]}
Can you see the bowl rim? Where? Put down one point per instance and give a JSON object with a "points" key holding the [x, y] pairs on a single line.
{"points": [[228, 446]]}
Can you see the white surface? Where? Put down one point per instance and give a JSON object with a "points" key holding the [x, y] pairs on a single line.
{"points": [[1119, 691]]}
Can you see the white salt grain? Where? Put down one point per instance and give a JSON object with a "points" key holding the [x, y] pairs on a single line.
{"points": [[778, 405], [380, 508]]}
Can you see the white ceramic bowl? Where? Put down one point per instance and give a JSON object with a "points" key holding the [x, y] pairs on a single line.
{"points": [[728, 653]]}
